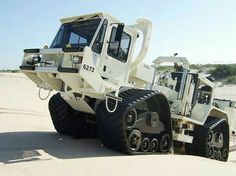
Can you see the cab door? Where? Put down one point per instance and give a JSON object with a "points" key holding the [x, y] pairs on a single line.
{"points": [[114, 62]]}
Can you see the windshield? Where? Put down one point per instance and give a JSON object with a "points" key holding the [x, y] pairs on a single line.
{"points": [[78, 34]]}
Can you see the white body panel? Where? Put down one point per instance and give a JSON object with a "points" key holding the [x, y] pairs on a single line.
{"points": [[142, 75]]}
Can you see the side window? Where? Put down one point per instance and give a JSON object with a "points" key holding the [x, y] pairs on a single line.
{"points": [[204, 94], [118, 50], [98, 43]]}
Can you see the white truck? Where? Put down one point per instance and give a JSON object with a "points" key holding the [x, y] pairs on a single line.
{"points": [[105, 91]]}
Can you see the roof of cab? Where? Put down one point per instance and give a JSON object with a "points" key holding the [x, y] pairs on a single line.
{"points": [[99, 14], [71, 19], [84, 17]]}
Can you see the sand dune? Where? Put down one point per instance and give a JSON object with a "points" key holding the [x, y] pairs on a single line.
{"points": [[29, 144], [226, 92]]}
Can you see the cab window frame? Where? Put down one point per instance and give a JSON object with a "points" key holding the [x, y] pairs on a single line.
{"points": [[116, 56], [104, 23]]}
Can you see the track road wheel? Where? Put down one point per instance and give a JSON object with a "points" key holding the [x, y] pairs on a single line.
{"points": [[69, 122], [219, 155], [165, 143], [145, 145], [215, 154], [210, 135], [154, 145], [224, 155], [210, 152], [131, 118], [134, 140]]}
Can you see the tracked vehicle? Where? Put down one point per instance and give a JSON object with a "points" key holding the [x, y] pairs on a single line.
{"points": [[106, 91], [200, 122]]}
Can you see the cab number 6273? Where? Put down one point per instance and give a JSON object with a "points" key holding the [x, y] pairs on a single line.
{"points": [[88, 68]]}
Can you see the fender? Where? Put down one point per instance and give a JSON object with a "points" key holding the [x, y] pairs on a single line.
{"points": [[201, 112]]}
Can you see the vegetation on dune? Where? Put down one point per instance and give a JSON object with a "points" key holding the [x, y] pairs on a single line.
{"points": [[165, 68], [9, 71], [223, 71], [231, 80]]}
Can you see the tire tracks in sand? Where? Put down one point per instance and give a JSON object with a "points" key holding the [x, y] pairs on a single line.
{"points": [[13, 111]]}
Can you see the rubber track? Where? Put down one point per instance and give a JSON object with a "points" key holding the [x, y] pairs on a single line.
{"points": [[111, 126], [68, 121], [199, 147]]}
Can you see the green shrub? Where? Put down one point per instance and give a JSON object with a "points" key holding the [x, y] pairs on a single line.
{"points": [[223, 71], [231, 80], [200, 71]]}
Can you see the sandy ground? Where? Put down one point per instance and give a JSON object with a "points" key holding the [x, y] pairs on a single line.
{"points": [[29, 144], [225, 92]]}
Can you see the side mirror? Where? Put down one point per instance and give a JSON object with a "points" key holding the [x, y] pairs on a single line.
{"points": [[119, 32]]}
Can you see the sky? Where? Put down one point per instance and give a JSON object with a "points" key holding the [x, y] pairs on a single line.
{"points": [[204, 31]]}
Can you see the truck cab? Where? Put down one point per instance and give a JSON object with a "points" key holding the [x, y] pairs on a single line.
{"points": [[91, 55]]}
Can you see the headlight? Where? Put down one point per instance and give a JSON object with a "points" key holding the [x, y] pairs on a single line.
{"points": [[36, 59], [77, 59]]}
